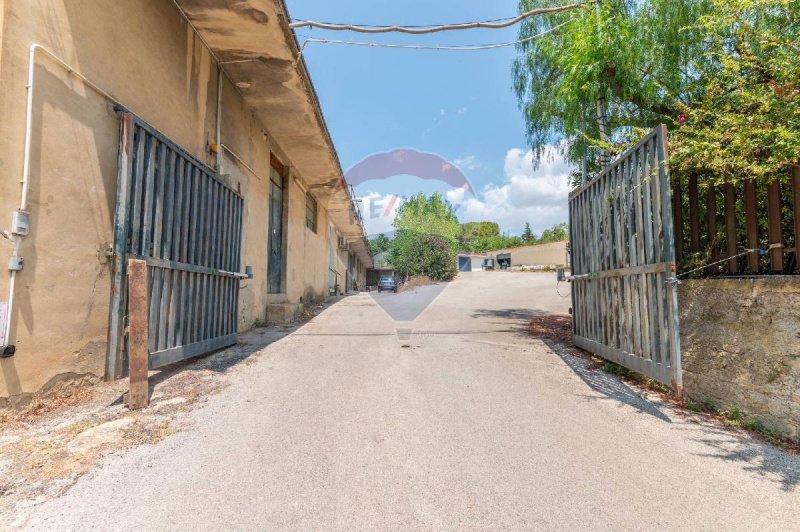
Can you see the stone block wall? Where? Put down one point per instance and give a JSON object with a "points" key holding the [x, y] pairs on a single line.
{"points": [[740, 343]]}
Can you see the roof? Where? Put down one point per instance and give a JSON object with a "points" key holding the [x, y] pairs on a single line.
{"points": [[254, 45]]}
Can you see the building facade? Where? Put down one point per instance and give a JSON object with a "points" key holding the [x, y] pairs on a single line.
{"points": [[186, 133]]}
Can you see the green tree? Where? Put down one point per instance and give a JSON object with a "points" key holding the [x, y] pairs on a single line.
{"points": [[557, 233], [722, 74], [425, 242], [379, 244], [527, 234], [474, 230], [415, 253]]}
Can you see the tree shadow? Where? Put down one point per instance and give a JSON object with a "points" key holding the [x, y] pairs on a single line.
{"points": [[755, 456], [610, 386], [516, 319]]}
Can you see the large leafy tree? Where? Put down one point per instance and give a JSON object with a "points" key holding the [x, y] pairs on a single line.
{"points": [[722, 74], [425, 241]]}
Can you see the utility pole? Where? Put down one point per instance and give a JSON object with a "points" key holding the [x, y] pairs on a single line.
{"points": [[602, 119]]}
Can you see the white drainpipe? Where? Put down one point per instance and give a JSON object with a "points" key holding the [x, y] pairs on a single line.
{"points": [[8, 349]]}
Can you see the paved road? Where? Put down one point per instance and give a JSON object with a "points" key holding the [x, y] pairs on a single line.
{"points": [[475, 426]]}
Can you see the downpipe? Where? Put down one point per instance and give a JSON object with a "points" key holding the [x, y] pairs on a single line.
{"points": [[20, 217]]}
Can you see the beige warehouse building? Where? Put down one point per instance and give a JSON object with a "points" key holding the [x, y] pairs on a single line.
{"points": [[184, 133]]}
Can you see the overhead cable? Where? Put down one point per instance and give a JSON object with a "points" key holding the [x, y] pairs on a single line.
{"points": [[468, 47], [419, 30]]}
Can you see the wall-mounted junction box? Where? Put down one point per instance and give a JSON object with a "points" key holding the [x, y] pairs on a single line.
{"points": [[21, 223], [16, 264]]}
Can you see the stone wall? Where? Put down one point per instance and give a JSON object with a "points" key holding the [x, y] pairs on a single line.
{"points": [[740, 343]]}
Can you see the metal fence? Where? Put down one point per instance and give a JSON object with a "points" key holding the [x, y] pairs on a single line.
{"points": [[186, 223], [744, 228], [625, 305]]}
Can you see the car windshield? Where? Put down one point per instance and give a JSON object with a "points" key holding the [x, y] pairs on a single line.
{"points": [[387, 279]]}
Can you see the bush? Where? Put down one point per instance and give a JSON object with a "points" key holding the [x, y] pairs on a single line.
{"points": [[414, 253]]}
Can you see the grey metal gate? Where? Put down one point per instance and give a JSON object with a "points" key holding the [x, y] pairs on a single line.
{"points": [[186, 223], [624, 298]]}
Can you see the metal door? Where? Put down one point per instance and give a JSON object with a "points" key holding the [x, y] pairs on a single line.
{"points": [[624, 295], [186, 223], [275, 262]]}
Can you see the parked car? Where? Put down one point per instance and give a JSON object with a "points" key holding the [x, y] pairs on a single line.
{"points": [[387, 282]]}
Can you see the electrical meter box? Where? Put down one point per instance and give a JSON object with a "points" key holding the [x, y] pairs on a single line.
{"points": [[21, 223]]}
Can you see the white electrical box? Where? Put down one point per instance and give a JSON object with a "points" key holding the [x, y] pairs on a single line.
{"points": [[21, 224], [16, 264]]}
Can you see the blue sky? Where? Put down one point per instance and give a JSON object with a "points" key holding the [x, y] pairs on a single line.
{"points": [[458, 105]]}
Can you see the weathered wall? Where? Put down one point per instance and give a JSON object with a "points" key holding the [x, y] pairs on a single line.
{"points": [[740, 343], [537, 255], [147, 56]]}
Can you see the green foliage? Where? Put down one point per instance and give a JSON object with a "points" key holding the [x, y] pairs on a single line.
{"points": [[527, 234], [415, 253], [428, 215], [425, 242], [722, 74], [489, 242], [379, 244], [557, 233], [473, 230]]}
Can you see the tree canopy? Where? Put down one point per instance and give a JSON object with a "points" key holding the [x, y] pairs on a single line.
{"points": [[722, 74]]}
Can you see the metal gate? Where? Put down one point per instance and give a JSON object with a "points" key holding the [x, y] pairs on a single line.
{"points": [[624, 298], [186, 223]]}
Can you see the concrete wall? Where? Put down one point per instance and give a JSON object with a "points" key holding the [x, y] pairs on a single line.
{"points": [[146, 55], [740, 343], [537, 255]]}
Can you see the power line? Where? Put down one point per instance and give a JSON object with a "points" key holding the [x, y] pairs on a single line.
{"points": [[469, 47], [419, 30]]}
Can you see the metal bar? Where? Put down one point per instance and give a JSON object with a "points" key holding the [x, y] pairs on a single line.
{"points": [[677, 212], [711, 222], [146, 243], [751, 225], [774, 225], [729, 193], [176, 354], [138, 391], [694, 214], [114, 363], [796, 218], [673, 319]]}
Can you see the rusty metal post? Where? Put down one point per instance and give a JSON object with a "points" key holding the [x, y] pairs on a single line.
{"points": [[729, 193], [796, 210], [774, 225], [677, 216], [138, 334], [751, 224], [694, 214]]}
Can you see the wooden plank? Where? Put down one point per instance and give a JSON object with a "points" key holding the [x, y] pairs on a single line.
{"points": [[774, 225], [138, 333], [729, 194], [751, 225], [796, 209], [694, 214]]}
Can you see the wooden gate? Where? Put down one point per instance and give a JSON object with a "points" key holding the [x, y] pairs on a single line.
{"points": [[624, 295], [176, 214]]}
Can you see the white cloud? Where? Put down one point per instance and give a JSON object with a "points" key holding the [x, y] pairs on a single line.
{"points": [[441, 112], [538, 197], [469, 162], [379, 211], [462, 110]]}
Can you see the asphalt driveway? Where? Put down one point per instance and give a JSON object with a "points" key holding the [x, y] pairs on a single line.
{"points": [[472, 424]]}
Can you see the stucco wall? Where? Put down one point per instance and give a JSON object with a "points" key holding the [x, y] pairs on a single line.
{"points": [[146, 55], [537, 255], [740, 343]]}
